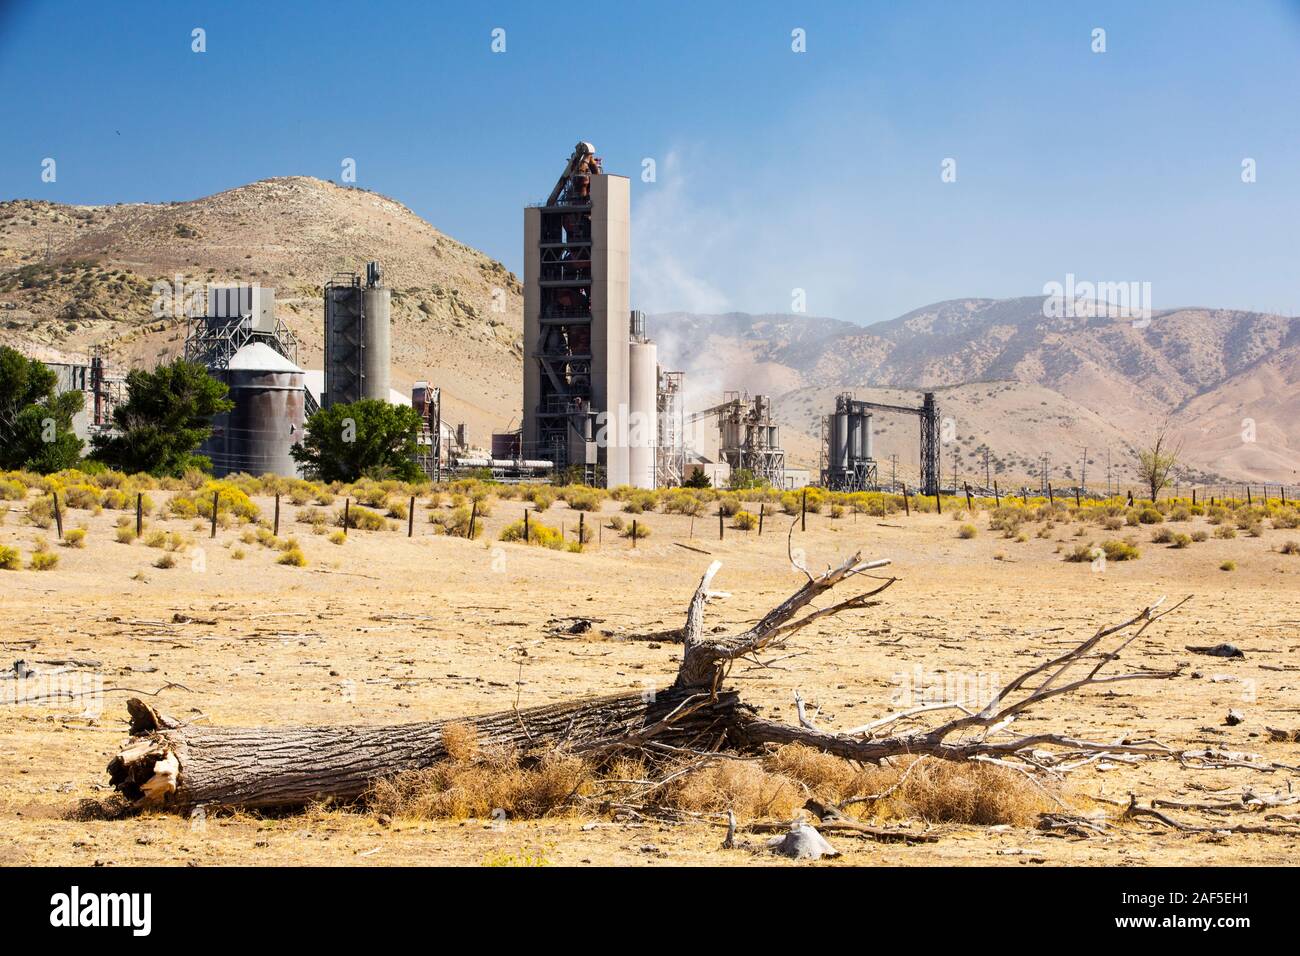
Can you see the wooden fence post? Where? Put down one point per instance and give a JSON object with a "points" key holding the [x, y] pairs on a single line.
{"points": [[525, 526], [762, 510], [139, 513], [410, 517], [907, 503], [215, 498], [997, 496], [803, 511], [276, 530], [634, 532], [473, 516], [969, 506], [58, 515], [347, 511]]}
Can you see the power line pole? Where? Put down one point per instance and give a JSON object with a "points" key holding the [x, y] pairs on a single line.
{"points": [[1083, 471], [893, 471], [954, 468], [988, 476]]}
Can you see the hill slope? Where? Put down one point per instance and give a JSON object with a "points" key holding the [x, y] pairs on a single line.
{"points": [[1205, 369], [95, 287]]}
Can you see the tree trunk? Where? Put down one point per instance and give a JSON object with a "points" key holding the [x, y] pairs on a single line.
{"points": [[168, 763]]}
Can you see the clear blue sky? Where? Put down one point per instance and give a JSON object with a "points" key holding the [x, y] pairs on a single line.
{"points": [[776, 170]]}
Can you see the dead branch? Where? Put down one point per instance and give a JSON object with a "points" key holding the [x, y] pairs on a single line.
{"points": [[694, 721]]}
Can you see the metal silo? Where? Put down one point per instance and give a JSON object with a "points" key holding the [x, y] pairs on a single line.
{"points": [[267, 420], [344, 340], [643, 425], [376, 306]]}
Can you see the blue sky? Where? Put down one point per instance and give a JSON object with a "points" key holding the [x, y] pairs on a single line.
{"points": [[776, 170]]}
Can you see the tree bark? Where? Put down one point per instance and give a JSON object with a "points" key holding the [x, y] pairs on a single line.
{"points": [[168, 763]]}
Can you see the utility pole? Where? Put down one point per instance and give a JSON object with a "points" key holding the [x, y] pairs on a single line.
{"points": [[1083, 471], [893, 471], [1108, 472], [988, 475], [954, 467]]}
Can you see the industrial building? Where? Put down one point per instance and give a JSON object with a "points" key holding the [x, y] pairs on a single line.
{"points": [[102, 389], [243, 344], [590, 375], [358, 337], [847, 460], [748, 438]]}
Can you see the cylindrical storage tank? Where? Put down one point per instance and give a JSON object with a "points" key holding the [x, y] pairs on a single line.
{"points": [[267, 421], [854, 437], [867, 450], [839, 450], [643, 422], [376, 302]]}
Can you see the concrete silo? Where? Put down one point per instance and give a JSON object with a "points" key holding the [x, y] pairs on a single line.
{"points": [[643, 426], [267, 420], [376, 306]]}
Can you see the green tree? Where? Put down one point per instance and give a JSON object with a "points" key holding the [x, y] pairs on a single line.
{"points": [[743, 479], [35, 420], [369, 437], [698, 479], [166, 416], [1157, 461]]}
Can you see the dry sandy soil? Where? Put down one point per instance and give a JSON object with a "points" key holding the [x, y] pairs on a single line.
{"points": [[385, 629]]}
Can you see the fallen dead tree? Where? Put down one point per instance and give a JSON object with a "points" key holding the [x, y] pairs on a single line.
{"points": [[179, 765]]}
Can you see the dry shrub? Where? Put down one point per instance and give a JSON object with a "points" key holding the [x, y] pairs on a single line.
{"points": [[739, 785], [475, 782], [826, 776], [949, 791]]}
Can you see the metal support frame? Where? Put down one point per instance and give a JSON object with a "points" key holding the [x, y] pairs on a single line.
{"points": [[747, 436], [345, 340], [429, 442], [862, 473], [564, 413], [670, 455]]}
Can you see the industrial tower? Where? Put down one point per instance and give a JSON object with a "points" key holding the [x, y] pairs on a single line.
{"points": [[579, 345]]}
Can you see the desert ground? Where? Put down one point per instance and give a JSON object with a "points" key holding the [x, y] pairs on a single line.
{"points": [[386, 629]]}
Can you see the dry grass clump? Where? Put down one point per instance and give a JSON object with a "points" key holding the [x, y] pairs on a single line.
{"points": [[43, 561], [738, 785], [947, 791], [476, 782]]}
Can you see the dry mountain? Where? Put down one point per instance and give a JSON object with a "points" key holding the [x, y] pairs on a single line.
{"points": [[72, 277], [1070, 383]]}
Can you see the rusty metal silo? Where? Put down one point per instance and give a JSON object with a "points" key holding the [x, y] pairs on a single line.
{"points": [[267, 420]]}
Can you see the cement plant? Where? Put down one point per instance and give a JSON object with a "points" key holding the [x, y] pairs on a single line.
{"points": [[637, 438]]}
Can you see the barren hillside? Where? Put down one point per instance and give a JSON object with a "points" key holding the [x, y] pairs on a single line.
{"points": [[1205, 369], [77, 276]]}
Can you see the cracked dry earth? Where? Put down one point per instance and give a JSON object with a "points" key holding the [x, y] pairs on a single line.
{"points": [[384, 629]]}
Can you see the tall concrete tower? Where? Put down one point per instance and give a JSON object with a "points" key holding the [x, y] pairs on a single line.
{"points": [[576, 322]]}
